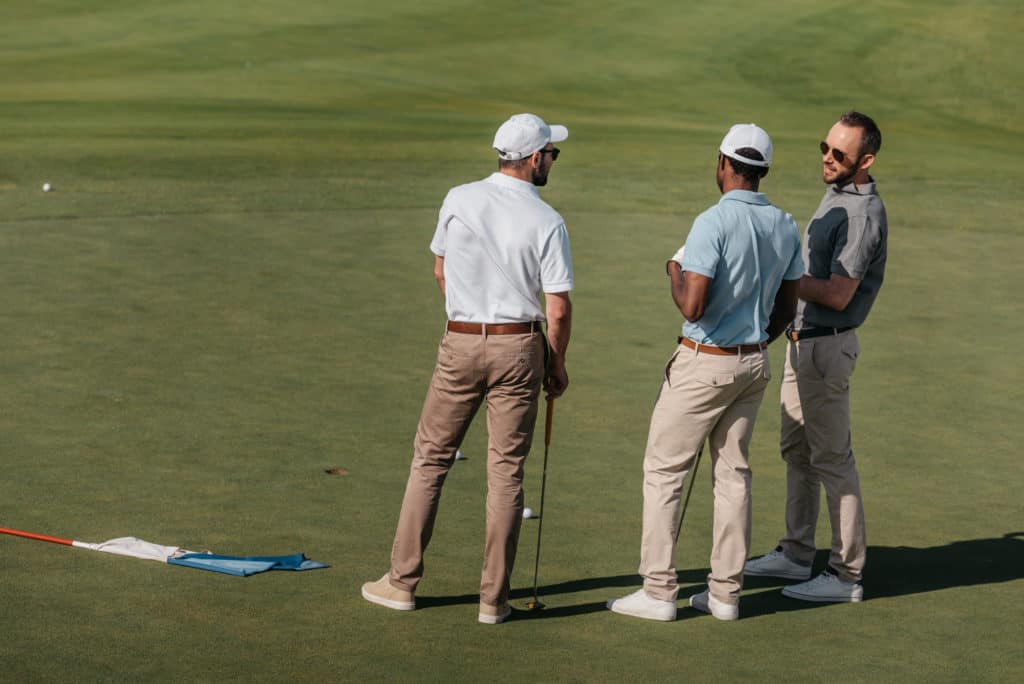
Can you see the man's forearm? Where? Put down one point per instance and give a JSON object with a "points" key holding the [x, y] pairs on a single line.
{"points": [[689, 296], [439, 272], [834, 292], [784, 308], [559, 331]]}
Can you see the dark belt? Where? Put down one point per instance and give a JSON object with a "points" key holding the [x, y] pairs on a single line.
{"points": [[721, 351], [808, 333], [493, 328]]}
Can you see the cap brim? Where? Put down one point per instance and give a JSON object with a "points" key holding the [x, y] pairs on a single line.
{"points": [[740, 158], [558, 133]]}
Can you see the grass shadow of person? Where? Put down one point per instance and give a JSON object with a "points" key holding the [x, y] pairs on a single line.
{"points": [[892, 571], [904, 570]]}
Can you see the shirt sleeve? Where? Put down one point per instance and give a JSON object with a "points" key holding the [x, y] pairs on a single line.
{"points": [[795, 270], [853, 255], [556, 262], [440, 241], [703, 247]]}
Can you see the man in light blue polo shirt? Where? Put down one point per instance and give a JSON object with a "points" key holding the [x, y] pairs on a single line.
{"points": [[735, 282]]}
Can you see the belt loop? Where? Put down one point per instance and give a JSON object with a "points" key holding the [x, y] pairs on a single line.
{"points": [[483, 329]]}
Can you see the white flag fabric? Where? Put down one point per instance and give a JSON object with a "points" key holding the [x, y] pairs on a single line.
{"points": [[136, 548]]}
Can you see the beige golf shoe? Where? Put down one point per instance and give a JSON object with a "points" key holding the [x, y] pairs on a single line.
{"points": [[383, 593], [493, 615]]}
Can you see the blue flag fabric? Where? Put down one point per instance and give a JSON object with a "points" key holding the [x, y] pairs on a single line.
{"points": [[249, 565]]}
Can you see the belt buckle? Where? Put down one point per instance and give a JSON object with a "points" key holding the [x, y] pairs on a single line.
{"points": [[793, 335]]}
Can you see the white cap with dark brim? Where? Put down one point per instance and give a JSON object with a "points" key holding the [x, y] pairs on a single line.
{"points": [[750, 136], [524, 134]]}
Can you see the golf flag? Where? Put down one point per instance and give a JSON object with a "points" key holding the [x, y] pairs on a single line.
{"points": [[175, 555], [243, 567]]}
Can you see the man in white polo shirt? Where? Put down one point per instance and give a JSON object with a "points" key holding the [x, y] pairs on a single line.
{"points": [[735, 285], [497, 245]]}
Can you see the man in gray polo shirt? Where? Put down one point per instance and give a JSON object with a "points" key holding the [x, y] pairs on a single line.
{"points": [[845, 253]]}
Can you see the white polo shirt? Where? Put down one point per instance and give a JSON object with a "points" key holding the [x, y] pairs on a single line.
{"points": [[502, 245]]}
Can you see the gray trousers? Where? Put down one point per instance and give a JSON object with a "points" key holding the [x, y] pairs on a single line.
{"points": [[815, 444]]}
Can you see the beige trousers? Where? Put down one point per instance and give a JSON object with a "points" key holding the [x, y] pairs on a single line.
{"points": [[506, 371], [815, 444], [703, 397]]}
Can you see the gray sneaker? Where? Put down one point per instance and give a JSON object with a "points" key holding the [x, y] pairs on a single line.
{"points": [[826, 588], [775, 564]]}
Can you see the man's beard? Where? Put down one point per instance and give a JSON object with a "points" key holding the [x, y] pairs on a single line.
{"points": [[843, 179], [540, 177]]}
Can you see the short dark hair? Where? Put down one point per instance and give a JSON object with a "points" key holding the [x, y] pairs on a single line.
{"points": [[872, 136], [513, 163], [749, 171]]}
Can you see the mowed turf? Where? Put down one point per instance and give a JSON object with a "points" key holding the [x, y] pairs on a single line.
{"points": [[229, 291]]}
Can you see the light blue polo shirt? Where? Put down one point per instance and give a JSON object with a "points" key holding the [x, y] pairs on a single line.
{"points": [[747, 246]]}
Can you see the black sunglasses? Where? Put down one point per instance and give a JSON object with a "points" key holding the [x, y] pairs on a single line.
{"points": [[837, 153], [553, 152]]}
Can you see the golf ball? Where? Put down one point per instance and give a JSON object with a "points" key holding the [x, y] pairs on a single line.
{"points": [[527, 512], [47, 187], [458, 455]]}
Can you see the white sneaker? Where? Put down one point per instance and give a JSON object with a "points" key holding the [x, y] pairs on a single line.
{"points": [[775, 564], [639, 604], [826, 587], [706, 603]]}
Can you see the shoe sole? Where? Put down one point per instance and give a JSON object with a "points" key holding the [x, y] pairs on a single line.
{"points": [[388, 603], [781, 574], [822, 599], [621, 611], [493, 619]]}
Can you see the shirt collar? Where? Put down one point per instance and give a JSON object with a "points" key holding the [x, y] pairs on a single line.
{"points": [[854, 189], [748, 196], [506, 181]]}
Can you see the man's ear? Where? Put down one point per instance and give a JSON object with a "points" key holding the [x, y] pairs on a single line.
{"points": [[866, 161]]}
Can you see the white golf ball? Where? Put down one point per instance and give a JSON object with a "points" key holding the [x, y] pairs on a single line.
{"points": [[459, 456], [527, 512], [47, 187]]}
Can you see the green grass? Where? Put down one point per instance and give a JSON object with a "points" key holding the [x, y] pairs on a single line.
{"points": [[229, 290]]}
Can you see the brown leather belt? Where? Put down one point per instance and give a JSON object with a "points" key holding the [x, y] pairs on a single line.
{"points": [[722, 351], [493, 328]]}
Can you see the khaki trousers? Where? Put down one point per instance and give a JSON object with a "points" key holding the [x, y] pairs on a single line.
{"points": [[702, 397], [506, 371], [815, 443]]}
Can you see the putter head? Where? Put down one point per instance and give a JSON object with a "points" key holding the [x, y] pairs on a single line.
{"points": [[534, 605]]}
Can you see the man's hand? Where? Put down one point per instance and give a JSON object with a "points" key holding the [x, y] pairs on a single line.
{"points": [[556, 381]]}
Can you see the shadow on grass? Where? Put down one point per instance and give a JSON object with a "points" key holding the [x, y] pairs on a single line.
{"points": [[892, 571]]}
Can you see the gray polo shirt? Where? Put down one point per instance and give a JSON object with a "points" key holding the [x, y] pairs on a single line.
{"points": [[847, 235]]}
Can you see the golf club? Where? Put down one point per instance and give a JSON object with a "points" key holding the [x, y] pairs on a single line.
{"points": [[689, 490], [535, 604]]}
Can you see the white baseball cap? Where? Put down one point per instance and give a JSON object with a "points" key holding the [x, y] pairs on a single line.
{"points": [[747, 135], [524, 134]]}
